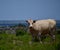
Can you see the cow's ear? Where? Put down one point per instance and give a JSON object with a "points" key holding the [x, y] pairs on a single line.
{"points": [[26, 21], [34, 21]]}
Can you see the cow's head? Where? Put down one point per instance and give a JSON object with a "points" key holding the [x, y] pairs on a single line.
{"points": [[30, 22]]}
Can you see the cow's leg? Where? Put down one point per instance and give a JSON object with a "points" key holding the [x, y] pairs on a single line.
{"points": [[43, 37], [52, 34], [33, 37], [39, 37]]}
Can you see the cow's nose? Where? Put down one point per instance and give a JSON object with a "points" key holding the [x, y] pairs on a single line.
{"points": [[30, 27]]}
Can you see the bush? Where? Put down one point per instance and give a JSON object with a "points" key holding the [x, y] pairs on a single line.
{"points": [[58, 46], [20, 32], [58, 31]]}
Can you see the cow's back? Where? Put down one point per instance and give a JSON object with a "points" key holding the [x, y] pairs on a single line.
{"points": [[41, 25]]}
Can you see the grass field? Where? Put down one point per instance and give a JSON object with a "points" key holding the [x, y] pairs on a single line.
{"points": [[13, 42]]}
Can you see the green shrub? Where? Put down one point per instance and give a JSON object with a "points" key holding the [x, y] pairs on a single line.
{"points": [[58, 46], [20, 32], [58, 30]]}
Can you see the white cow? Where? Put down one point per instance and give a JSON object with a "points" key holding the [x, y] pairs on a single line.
{"points": [[40, 28]]}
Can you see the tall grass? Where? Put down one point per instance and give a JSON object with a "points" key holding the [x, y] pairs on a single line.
{"points": [[13, 42]]}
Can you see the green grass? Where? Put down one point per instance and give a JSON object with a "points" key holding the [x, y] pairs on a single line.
{"points": [[13, 42]]}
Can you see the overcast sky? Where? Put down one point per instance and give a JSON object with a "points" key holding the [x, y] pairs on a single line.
{"points": [[29, 9]]}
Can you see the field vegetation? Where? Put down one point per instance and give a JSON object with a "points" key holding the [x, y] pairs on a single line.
{"points": [[21, 41]]}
